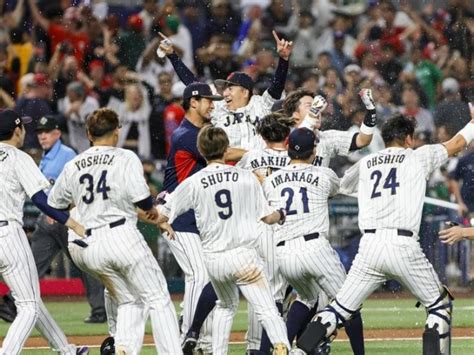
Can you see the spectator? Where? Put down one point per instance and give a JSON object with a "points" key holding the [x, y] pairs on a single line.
{"points": [[71, 30], [305, 42], [149, 12], [389, 66], [179, 34], [134, 114], [451, 112], [411, 107], [195, 23], [76, 106], [35, 103], [131, 42], [217, 60], [222, 19]]}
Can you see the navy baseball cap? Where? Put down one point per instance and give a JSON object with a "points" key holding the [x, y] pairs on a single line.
{"points": [[9, 120], [47, 123], [301, 143], [237, 78], [197, 89]]}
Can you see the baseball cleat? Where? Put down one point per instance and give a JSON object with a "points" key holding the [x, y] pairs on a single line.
{"points": [[82, 350], [190, 342], [280, 349], [108, 346], [7, 313]]}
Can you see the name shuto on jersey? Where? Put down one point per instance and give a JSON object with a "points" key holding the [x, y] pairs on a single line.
{"points": [[225, 176]]}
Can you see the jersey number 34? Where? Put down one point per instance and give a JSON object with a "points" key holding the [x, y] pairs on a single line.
{"points": [[101, 187]]}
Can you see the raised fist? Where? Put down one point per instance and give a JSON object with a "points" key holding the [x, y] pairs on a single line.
{"points": [[318, 105]]}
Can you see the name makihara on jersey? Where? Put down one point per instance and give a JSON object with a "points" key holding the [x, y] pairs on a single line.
{"points": [[264, 161]]}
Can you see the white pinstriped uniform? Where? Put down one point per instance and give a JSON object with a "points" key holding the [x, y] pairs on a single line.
{"points": [[331, 144], [239, 125], [20, 177], [228, 203], [391, 186], [308, 265], [104, 183], [264, 162]]}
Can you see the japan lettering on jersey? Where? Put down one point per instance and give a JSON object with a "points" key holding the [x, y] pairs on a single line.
{"points": [[20, 178], [331, 144], [103, 183], [392, 185], [303, 190], [239, 125], [228, 202], [264, 161]]}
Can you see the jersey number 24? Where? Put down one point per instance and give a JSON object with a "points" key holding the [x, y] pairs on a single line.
{"points": [[389, 183]]}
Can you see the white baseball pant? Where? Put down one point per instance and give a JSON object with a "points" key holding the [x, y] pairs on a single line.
{"points": [[187, 250], [242, 269], [122, 260], [18, 269]]}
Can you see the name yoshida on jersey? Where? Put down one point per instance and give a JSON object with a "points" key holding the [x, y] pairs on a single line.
{"points": [[103, 183]]}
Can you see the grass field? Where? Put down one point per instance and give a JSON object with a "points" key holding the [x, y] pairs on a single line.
{"points": [[377, 314]]}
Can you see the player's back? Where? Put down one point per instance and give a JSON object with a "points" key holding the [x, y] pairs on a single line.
{"points": [[392, 185], [264, 161], [303, 189], [228, 204], [104, 183], [18, 180]]}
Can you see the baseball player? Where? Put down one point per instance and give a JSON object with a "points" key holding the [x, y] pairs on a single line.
{"points": [[228, 202], [49, 238], [185, 160], [20, 177], [106, 184], [274, 129], [304, 256], [241, 110], [391, 186], [306, 112]]}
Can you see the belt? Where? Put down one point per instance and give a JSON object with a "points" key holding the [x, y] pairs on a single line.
{"points": [[111, 225], [3, 223], [306, 237], [403, 232]]}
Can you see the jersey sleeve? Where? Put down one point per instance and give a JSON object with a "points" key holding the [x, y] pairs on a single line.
{"points": [[179, 201], [431, 157], [60, 196], [186, 159], [29, 175], [244, 162], [137, 188], [334, 182], [267, 101], [262, 206], [338, 142], [350, 181]]}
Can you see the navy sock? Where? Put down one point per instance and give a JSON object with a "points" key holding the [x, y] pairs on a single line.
{"points": [[206, 303], [265, 344], [355, 332], [297, 318]]}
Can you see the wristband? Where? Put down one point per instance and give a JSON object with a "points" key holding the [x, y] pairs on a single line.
{"points": [[282, 213], [370, 118], [468, 132], [366, 129]]}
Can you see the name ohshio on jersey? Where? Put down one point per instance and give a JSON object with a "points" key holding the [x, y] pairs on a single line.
{"points": [[385, 159], [270, 161], [101, 159], [224, 176], [300, 176]]}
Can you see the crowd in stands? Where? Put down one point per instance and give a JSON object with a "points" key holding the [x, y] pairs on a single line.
{"points": [[70, 57]]}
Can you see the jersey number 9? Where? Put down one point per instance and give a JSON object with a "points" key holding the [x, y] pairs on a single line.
{"points": [[223, 200]]}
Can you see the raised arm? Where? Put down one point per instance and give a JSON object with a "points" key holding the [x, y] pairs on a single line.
{"points": [[365, 135], [463, 137], [284, 49], [183, 72], [35, 12]]}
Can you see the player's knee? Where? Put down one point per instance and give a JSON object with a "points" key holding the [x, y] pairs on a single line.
{"points": [[439, 320], [227, 306], [28, 308]]}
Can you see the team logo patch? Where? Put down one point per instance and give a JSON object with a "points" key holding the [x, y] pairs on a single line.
{"points": [[43, 120], [297, 147], [17, 121], [195, 92]]}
